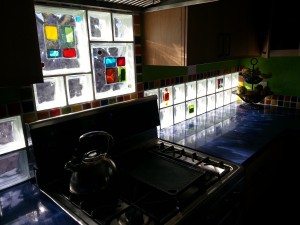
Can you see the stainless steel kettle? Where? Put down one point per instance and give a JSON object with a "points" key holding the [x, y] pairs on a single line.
{"points": [[94, 170]]}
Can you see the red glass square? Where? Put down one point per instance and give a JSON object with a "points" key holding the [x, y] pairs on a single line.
{"points": [[69, 52], [121, 61]]}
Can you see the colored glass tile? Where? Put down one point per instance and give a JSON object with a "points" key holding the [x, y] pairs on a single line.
{"points": [[42, 115], [51, 33], [29, 117], [66, 110], [67, 36], [86, 106], [121, 61], [110, 62], [53, 53], [122, 74], [55, 112], [95, 104], [69, 52], [111, 75]]}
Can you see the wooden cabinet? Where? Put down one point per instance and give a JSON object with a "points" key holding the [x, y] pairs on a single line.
{"points": [[21, 63], [222, 30], [164, 36], [284, 34], [202, 33]]}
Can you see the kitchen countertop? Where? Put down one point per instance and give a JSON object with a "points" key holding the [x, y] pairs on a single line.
{"points": [[24, 204], [232, 132]]}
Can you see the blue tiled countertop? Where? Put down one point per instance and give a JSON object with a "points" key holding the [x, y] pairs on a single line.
{"points": [[232, 132], [24, 204]]}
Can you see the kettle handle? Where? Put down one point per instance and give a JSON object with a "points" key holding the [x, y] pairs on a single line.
{"points": [[92, 134]]}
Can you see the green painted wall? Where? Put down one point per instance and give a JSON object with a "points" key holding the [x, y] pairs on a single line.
{"points": [[285, 72]]}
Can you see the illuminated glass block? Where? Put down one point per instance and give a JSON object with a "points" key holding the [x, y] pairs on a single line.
{"points": [[121, 61], [69, 52], [111, 75], [53, 53], [110, 62], [51, 33]]}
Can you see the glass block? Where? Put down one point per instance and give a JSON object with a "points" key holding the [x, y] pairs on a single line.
{"points": [[201, 105], [109, 78], [227, 81], [63, 40], [233, 97], [100, 28], [79, 88], [166, 117], [190, 90], [178, 93], [153, 92], [227, 96], [211, 102], [165, 96], [211, 86], [234, 79], [13, 168], [190, 109], [122, 27], [50, 94], [219, 99], [219, 83], [11, 134], [179, 113], [201, 88]]}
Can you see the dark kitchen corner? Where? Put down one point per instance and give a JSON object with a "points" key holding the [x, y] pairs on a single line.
{"points": [[153, 112]]}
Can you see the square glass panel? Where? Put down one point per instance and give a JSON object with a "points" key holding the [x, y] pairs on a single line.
{"points": [[50, 94], [233, 97], [227, 81], [165, 96], [190, 90], [153, 92], [11, 134], [13, 169], [211, 102], [219, 99], [219, 83], [211, 86], [201, 88], [109, 78], [63, 40], [179, 93], [234, 79], [122, 27], [100, 28], [166, 117], [201, 105], [190, 109], [79, 88], [179, 113], [227, 96]]}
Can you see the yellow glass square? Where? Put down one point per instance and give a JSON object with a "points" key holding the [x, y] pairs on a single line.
{"points": [[51, 33]]}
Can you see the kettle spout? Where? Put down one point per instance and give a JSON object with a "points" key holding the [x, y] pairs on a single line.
{"points": [[72, 165]]}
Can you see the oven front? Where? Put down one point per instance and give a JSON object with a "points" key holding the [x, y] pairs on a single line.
{"points": [[156, 183]]}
